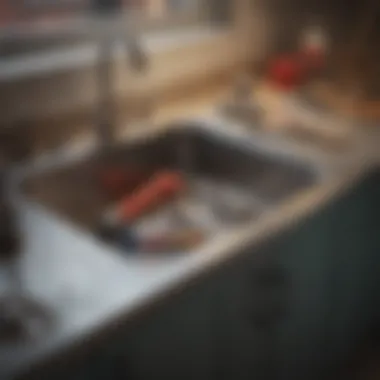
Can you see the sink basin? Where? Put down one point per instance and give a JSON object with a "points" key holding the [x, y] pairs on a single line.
{"points": [[229, 180]]}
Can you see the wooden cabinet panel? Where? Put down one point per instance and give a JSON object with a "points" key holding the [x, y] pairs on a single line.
{"points": [[334, 264], [177, 341], [302, 334], [237, 342], [252, 299], [356, 263]]}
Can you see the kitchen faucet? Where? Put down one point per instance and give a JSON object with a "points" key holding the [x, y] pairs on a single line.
{"points": [[110, 28], [105, 123], [103, 24]]}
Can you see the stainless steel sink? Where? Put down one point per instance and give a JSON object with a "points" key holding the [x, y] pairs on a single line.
{"points": [[230, 180]]}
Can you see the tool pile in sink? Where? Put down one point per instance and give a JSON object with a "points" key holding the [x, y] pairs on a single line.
{"points": [[165, 211]]}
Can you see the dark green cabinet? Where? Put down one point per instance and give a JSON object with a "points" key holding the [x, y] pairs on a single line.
{"points": [[251, 301], [355, 284], [333, 259], [177, 341], [238, 343], [302, 340]]}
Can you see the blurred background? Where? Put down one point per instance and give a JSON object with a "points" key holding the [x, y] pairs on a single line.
{"points": [[257, 120]]}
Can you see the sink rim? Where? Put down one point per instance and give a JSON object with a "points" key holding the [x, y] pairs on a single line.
{"points": [[265, 145], [201, 126]]}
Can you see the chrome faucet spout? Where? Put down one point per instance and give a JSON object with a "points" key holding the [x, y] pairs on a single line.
{"points": [[105, 123], [137, 55]]}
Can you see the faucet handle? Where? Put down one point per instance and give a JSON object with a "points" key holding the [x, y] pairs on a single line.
{"points": [[242, 106], [137, 56]]}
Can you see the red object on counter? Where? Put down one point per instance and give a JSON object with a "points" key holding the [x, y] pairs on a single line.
{"points": [[160, 189], [287, 71]]}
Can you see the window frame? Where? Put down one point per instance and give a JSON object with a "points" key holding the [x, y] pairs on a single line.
{"points": [[36, 25], [190, 27]]}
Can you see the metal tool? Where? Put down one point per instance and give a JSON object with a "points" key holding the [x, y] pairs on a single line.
{"points": [[242, 105]]}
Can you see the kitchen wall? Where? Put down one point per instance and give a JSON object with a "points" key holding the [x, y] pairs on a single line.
{"points": [[259, 27], [220, 50]]}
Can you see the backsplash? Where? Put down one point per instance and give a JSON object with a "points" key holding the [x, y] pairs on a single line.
{"points": [[260, 27]]}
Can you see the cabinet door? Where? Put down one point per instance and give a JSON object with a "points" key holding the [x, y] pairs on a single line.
{"points": [[96, 360], [175, 341], [251, 298], [236, 340], [274, 307], [374, 262], [303, 332], [355, 260]]}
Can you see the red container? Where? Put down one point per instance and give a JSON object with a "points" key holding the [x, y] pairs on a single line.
{"points": [[287, 72]]}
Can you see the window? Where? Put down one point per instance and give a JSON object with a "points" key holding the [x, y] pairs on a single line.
{"points": [[170, 13], [165, 8], [164, 13], [34, 26], [27, 10]]}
